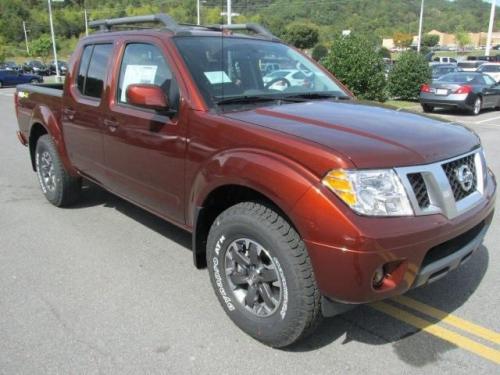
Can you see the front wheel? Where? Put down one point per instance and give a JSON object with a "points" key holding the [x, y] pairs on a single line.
{"points": [[60, 188], [262, 274], [476, 109]]}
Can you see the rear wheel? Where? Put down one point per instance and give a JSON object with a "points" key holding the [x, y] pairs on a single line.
{"points": [[57, 185], [476, 109], [427, 108], [1, 84], [262, 274]]}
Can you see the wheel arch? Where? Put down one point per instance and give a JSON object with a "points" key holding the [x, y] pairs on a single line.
{"points": [[45, 122], [239, 176]]}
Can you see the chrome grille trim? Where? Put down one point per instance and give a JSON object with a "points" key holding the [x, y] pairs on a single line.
{"points": [[441, 197]]}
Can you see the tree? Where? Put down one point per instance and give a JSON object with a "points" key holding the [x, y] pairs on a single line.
{"points": [[319, 51], [462, 38], [3, 50], [430, 40], [301, 35], [410, 71], [41, 46], [355, 62], [402, 40]]}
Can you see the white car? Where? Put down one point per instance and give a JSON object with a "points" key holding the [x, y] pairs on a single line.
{"points": [[444, 60], [285, 78], [492, 69]]}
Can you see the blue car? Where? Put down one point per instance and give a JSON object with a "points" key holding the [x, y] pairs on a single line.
{"points": [[12, 78]]}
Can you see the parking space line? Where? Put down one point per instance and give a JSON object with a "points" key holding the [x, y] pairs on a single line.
{"points": [[487, 120], [449, 319], [440, 332]]}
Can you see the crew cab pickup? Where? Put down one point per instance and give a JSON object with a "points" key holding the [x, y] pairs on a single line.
{"points": [[301, 200]]}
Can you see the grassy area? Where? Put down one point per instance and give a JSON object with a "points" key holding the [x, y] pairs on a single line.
{"points": [[403, 104]]}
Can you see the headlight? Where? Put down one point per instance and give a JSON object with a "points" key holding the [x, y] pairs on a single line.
{"points": [[370, 192]]}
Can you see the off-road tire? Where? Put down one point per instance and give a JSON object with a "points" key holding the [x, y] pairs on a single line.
{"points": [[299, 311], [66, 189]]}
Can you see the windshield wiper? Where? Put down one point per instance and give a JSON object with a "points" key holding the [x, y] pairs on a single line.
{"points": [[247, 99], [316, 95]]}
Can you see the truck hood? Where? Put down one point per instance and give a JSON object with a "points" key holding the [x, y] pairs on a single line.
{"points": [[371, 136]]}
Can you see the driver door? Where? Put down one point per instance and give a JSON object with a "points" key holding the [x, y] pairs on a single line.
{"points": [[144, 149], [491, 94]]}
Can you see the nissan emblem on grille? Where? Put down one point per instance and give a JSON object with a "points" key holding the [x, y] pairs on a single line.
{"points": [[465, 177]]}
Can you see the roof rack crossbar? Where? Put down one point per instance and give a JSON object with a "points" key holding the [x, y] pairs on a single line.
{"points": [[106, 24], [254, 27]]}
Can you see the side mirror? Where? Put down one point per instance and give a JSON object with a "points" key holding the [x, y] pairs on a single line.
{"points": [[147, 96]]}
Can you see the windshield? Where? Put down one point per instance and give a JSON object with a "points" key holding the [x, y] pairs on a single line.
{"points": [[239, 68], [489, 68]]}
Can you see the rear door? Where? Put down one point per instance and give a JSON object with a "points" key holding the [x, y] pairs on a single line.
{"points": [[145, 149], [83, 110]]}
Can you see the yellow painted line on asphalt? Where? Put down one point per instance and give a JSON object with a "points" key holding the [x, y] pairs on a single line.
{"points": [[443, 333], [449, 319]]}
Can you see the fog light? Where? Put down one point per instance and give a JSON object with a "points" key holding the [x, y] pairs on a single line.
{"points": [[378, 277]]}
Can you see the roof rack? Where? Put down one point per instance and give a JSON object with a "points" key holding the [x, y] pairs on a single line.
{"points": [[107, 24], [170, 24], [254, 27]]}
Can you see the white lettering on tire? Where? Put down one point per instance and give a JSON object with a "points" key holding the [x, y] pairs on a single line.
{"points": [[284, 306], [218, 278]]}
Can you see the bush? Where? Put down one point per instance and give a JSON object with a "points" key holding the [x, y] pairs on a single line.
{"points": [[354, 61], [410, 71], [384, 53], [319, 51], [301, 35]]}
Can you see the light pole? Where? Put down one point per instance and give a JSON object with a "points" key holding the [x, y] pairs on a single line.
{"points": [[490, 28], [26, 38], [229, 12], [86, 22], [53, 39], [198, 12], [420, 26]]}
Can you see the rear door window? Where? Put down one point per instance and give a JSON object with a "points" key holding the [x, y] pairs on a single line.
{"points": [[93, 68], [96, 72]]}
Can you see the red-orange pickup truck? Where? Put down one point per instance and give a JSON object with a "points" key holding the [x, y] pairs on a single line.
{"points": [[302, 201]]}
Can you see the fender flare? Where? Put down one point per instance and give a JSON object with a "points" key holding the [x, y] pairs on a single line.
{"points": [[43, 115], [278, 178]]}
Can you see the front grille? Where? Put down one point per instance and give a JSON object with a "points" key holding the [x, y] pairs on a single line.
{"points": [[452, 169], [420, 189], [449, 247]]}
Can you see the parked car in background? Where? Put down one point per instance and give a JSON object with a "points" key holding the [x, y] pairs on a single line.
{"points": [[285, 78], [492, 69], [471, 91], [470, 66], [12, 78], [443, 60], [484, 58], [10, 65], [267, 68], [439, 70], [36, 67], [63, 67]]}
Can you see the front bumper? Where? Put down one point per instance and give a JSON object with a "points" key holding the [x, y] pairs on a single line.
{"points": [[346, 249]]}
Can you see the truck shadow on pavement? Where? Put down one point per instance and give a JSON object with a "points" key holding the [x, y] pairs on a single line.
{"points": [[369, 326], [364, 324]]}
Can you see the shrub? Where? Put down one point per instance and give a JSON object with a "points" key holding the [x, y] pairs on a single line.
{"points": [[319, 51], [410, 71], [301, 35], [384, 53], [354, 61]]}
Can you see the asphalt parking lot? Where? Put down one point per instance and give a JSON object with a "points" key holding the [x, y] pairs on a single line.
{"points": [[105, 287]]}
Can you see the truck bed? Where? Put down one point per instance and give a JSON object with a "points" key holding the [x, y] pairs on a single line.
{"points": [[33, 100]]}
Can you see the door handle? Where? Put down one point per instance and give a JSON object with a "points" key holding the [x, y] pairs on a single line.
{"points": [[69, 113], [111, 124]]}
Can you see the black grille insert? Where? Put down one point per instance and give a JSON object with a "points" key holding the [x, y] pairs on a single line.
{"points": [[452, 170], [420, 189], [452, 246]]}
